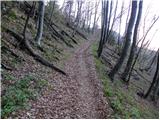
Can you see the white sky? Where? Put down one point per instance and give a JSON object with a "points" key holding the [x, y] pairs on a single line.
{"points": [[154, 9]]}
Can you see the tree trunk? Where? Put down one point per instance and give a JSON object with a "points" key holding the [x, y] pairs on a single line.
{"points": [[152, 61], [154, 79], [40, 25], [104, 26], [95, 16], [119, 36], [142, 45], [132, 52], [109, 19], [127, 42], [109, 31], [54, 2], [156, 89]]}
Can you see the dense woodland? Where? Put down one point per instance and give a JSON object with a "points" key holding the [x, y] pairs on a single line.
{"points": [[78, 59]]}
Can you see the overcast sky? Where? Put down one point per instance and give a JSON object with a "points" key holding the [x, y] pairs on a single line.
{"points": [[153, 7]]}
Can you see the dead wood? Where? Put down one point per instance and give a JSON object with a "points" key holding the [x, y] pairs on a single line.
{"points": [[81, 34], [56, 33], [65, 33]]}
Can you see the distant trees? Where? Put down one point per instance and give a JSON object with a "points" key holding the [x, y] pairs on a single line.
{"points": [[79, 12], [127, 42], [95, 15], [41, 9], [68, 9], [107, 23], [120, 21]]}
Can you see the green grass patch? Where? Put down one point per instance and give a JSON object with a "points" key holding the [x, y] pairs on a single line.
{"points": [[18, 94], [121, 100]]}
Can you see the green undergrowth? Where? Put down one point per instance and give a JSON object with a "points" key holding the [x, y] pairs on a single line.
{"points": [[17, 94], [121, 99]]}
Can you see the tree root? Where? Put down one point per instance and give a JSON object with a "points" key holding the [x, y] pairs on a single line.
{"points": [[40, 58], [33, 53]]}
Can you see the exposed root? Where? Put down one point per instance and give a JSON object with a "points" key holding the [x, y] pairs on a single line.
{"points": [[40, 58], [33, 53]]}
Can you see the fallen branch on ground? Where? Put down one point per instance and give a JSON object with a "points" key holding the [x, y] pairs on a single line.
{"points": [[57, 33], [81, 34]]}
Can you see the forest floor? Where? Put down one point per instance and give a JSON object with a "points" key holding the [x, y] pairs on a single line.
{"points": [[32, 90], [79, 95]]}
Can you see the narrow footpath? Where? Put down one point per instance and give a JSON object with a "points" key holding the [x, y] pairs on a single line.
{"points": [[79, 95]]}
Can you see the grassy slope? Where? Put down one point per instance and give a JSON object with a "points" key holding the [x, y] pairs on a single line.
{"points": [[123, 101], [29, 78]]}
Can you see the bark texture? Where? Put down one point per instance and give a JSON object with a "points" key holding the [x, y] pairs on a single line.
{"points": [[127, 42]]}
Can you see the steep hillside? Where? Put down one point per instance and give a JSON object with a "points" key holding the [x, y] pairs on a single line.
{"points": [[23, 77]]}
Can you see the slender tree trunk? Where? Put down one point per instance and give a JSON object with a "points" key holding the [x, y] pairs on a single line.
{"points": [[52, 11], [40, 25], [155, 89], [104, 26], [95, 16], [152, 61], [154, 79], [127, 42], [132, 52], [114, 18], [102, 29], [119, 36], [142, 45], [126, 25], [109, 19]]}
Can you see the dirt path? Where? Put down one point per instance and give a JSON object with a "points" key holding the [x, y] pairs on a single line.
{"points": [[79, 95]]}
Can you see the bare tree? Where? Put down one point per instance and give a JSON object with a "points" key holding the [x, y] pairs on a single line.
{"points": [[110, 14], [132, 52], [142, 40], [79, 11], [54, 2], [152, 61], [41, 10], [68, 9], [155, 78], [95, 15], [105, 9], [120, 21], [109, 30], [127, 42]]}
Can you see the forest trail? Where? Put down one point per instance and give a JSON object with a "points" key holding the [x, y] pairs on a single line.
{"points": [[79, 95]]}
